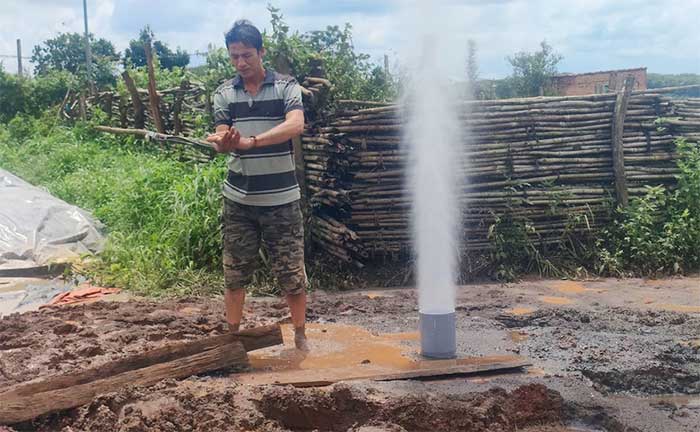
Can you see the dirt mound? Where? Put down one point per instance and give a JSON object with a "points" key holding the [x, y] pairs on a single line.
{"points": [[345, 408]]}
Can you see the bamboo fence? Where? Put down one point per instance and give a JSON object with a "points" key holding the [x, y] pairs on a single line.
{"points": [[559, 164], [556, 164]]}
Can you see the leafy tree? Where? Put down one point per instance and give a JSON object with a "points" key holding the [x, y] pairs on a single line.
{"points": [[674, 80], [24, 95], [135, 55], [66, 52], [353, 75], [532, 71]]}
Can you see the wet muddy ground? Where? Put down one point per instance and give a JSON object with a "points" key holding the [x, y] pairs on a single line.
{"points": [[607, 355]]}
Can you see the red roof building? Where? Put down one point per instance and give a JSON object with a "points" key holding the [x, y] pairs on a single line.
{"points": [[597, 82]]}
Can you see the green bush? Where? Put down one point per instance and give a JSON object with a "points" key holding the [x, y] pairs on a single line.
{"points": [[24, 95], [658, 233]]}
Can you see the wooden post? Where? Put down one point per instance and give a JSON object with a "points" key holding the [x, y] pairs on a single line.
{"points": [[177, 107], [123, 122], [135, 101], [81, 106], [152, 93], [19, 57], [88, 50], [107, 105], [62, 107], [618, 153]]}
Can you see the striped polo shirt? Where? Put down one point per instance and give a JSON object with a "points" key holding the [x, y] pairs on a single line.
{"points": [[263, 176]]}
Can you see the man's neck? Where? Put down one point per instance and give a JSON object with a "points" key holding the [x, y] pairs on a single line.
{"points": [[253, 83]]}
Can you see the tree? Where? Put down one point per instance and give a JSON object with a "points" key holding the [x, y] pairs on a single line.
{"points": [[532, 71], [135, 55], [66, 52], [353, 75], [655, 80]]}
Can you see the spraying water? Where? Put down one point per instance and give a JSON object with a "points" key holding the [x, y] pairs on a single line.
{"points": [[432, 132]]}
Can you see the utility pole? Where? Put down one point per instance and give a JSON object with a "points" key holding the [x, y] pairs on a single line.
{"points": [[19, 57], [386, 66], [88, 51]]}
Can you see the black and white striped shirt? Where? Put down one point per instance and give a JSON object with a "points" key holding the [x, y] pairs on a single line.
{"points": [[263, 176]]}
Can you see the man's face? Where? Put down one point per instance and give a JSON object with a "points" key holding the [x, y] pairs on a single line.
{"points": [[245, 59]]}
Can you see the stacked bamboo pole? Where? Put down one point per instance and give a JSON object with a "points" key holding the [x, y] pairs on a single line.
{"points": [[548, 161]]}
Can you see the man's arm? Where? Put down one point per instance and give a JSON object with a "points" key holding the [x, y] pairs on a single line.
{"points": [[292, 126]]}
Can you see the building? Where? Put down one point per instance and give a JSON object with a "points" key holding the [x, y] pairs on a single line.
{"points": [[597, 82]]}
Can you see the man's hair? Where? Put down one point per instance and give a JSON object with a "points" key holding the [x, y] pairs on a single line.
{"points": [[245, 32]]}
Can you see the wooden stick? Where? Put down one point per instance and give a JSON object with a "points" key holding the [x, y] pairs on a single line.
{"points": [[16, 406], [618, 154], [152, 93], [135, 100]]}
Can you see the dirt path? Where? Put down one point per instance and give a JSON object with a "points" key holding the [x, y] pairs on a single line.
{"points": [[608, 355]]}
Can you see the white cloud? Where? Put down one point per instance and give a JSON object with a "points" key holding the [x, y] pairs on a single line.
{"points": [[591, 34]]}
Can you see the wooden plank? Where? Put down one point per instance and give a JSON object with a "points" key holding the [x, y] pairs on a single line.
{"points": [[152, 92], [618, 154], [16, 408], [252, 339], [436, 368]]}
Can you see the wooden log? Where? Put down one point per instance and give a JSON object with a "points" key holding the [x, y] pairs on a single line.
{"points": [[252, 339], [139, 118], [17, 406], [177, 107], [618, 154], [152, 93]]}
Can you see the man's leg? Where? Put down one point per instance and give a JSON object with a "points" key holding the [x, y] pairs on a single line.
{"points": [[233, 302], [297, 308], [283, 232], [241, 241]]}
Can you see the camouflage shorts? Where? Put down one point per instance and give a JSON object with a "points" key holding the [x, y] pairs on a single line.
{"points": [[280, 228]]}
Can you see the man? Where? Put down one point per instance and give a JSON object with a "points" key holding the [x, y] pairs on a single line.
{"points": [[257, 114]]}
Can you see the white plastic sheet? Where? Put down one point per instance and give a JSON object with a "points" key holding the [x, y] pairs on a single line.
{"points": [[37, 228]]}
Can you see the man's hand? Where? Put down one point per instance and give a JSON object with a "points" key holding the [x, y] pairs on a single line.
{"points": [[225, 141], [246, 143]]}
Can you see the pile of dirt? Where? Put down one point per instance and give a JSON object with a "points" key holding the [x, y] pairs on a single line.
{"points": [[208, 405], [345, 408]]}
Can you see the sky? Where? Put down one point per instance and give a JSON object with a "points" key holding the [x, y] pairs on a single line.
{"points": [[591, 35]]}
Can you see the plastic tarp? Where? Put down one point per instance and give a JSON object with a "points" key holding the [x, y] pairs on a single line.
{"points": [[37, 229]]}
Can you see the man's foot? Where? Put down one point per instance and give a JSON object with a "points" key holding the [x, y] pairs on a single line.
{"points": [[234, 328], [300, 340]]}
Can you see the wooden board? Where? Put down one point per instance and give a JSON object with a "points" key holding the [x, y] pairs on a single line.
{"points": [[252, 339], [28, 400], [319, 378], [16, 407]]}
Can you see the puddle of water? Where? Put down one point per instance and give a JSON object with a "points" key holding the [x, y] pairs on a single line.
{"points": [[556, 300], [341, 352], [536, 371], [577, 427], [677, 401], [574, 287], [518, 336], [570, 287], [680, 308], [520, 311]]}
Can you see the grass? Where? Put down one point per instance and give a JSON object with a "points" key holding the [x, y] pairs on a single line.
{"points": [[162, 216]]}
